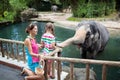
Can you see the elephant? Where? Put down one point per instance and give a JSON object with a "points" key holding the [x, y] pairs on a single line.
{"points": [[54, 8], [90, 36]]}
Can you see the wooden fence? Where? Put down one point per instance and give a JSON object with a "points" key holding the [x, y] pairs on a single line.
{"points": [[15, 50]]}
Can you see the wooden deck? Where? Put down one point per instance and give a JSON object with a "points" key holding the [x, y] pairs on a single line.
{"points": [[16, 74], [8, 73]]}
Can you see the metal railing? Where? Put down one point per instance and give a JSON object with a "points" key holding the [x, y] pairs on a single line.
{"points": [[10, 48]]}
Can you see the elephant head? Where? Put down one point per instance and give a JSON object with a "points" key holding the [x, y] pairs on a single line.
{"points": [[90, 37]]}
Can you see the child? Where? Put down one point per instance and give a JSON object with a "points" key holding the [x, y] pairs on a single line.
{"points": [[48, 43]]}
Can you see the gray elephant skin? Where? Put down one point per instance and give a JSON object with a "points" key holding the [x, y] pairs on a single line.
{"points": [[90, 36]]}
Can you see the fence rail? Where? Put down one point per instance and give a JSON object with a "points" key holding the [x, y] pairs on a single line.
{"points": [[10, 48]]}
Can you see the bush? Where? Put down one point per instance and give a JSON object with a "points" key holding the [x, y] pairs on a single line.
{"points": [[94, 9]]}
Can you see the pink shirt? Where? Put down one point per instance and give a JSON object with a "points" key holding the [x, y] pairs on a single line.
{"points": [[35, 50]]}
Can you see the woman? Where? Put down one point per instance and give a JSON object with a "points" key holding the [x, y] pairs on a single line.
{"points": [[32, 50]]}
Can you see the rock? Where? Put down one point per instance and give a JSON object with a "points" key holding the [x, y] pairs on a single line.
{"points": [[28, 13], [79, 73]]}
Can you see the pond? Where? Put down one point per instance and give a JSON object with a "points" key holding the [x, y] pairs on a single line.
{"points": [[111, 53]]}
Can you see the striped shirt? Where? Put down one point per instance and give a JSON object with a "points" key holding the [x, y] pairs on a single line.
{"points": [[48, 39]]}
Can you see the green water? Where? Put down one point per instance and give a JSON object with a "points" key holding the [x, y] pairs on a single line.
{"points": [[111, 53]]}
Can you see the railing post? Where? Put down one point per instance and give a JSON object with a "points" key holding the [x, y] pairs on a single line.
{"points": [[87, 71], [7, 50], [71, 70], [59, 67], [45, 69], [2, 50], [18, 59], [58, 70], [59, 55], [24, 56], [9, 55], [53, 67], [12, 51], [104, 72]]}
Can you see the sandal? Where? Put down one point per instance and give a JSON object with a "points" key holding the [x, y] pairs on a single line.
{"points": [[52, 77], [22, 71]]}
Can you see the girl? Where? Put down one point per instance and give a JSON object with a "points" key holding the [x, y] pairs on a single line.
{"points": [[48, 42]]}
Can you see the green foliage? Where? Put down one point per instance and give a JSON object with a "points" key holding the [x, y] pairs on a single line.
{"points": [[10, 9], [4, 6], [102, 18], [18, 4], [55, 1], [93, 8], [8, 16]]}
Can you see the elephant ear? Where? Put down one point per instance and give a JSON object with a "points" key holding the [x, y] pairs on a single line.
{"points": [[96, 36], [94, 32], [88, 34]]}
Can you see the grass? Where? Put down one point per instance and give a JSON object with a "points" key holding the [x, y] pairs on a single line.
{"points": [[109, 17]]}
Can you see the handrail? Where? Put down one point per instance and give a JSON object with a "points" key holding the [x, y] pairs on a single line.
{"points": [[85, 61], [10, 44], [11, 41]]}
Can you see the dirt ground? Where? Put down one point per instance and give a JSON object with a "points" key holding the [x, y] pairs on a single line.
{"points": [[61, 18]]}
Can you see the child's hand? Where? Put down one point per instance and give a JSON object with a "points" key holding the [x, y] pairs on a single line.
{"points": [[40, 46]]}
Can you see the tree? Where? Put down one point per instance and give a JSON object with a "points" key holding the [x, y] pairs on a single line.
{"points": [[4, 6], [10, 9]]}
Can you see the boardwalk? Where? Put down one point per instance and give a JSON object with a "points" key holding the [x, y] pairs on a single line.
{"points": [[14, 74], [7, 73]]}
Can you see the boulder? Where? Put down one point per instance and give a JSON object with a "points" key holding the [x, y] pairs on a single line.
{"points": [[28, 13], [79, 73]]}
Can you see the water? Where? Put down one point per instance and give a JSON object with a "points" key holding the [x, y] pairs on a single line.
{"points": [[111, 53]]}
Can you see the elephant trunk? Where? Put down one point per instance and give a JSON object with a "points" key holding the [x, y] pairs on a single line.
{"points": [[66, 42], [78, 38]]}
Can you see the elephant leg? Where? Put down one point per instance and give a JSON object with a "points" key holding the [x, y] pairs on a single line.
{"points": [[92, 55], [84, 54]]}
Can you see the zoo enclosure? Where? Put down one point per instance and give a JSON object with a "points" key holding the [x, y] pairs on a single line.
{"points": [[15, 50]]}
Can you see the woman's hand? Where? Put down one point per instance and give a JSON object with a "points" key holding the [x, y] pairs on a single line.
{"points": [[40, 56], [40, 46]]}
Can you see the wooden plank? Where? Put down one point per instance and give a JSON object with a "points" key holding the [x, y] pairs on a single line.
{"points": [[18, 59], [12, 51], [104, 72], [7, 51], [2, 50], [45, 69], [71, 71], [58, 70], [35, 77], [85, 61], [24, 56], [11, 41], [87, 71], [53, 67]]}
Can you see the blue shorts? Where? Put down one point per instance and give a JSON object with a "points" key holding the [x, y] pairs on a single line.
{"points": [[33, 66]]}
